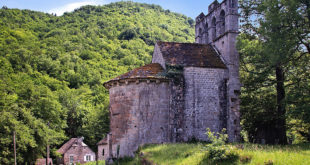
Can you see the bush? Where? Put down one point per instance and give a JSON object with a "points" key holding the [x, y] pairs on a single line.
{"points": [[217, 150], [245, 159]]}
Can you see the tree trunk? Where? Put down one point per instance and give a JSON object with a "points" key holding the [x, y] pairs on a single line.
{"points": [[281, 123]]}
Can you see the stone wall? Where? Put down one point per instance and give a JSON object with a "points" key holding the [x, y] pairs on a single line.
{"points": [[222, 18], [139, 115], [103, 152], [227, 47], [158, 57], [203, 101], [220, 28], [177, 102]]}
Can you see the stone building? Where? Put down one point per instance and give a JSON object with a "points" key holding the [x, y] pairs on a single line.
{"points": [[187, 88], [75, 151]]}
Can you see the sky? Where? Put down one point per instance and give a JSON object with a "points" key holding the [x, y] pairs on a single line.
{"points": [[190, 8]]}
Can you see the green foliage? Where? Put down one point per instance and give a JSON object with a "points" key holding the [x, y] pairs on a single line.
{"points": [[217, 150], [52, 69], [218, 138], [273, 40]]}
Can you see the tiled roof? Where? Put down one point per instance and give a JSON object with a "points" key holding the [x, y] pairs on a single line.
{"points": [[103, 141], [190, 54], [66, 146], [153, 70]]}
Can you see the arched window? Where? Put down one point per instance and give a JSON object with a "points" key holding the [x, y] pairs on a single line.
{"points": [[232, 3], [213, 28], [199, 32], [222, 22], [207, 32], [199, 35], [102, 152]]}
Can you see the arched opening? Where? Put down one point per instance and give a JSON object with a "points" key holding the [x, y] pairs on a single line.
{"points": [[213, 28], [207, 32], [102, 152], [199, 35], [222, 22], [200, 32], [232, 3]]}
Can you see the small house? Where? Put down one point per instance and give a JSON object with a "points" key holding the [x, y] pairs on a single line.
{"points": [[75, 151]]}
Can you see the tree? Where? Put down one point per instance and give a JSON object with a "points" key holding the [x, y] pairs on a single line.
{"points": [[280, 30]]}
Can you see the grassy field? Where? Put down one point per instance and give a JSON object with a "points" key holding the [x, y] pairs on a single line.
{"points": [[196, 154]]}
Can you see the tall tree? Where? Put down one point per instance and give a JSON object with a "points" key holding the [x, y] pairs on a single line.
{"points": [[281, 29]]}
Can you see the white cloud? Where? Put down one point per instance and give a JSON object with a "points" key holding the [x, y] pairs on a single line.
{"points": [[71, 6]]}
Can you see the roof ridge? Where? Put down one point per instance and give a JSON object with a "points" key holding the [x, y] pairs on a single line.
{"points": [[182, 43], [151, 70], [64, 148]]}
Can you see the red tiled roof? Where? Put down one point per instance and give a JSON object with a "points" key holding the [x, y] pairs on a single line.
{"points": [[66, 146], [190, 54], [153, 70]]}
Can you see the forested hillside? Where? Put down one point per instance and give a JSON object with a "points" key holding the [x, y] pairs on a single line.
{"points": [[52, 69]]}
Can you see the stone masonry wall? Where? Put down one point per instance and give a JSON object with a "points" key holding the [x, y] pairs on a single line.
{"points": [[103, 152], [204, 92], [158, 57], [220, 28], [177, 102], [227, 48], [139, 115]]}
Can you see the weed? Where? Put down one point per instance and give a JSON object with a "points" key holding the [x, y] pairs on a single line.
{"points": [[245, 159], [269, 162], [217, 150]]}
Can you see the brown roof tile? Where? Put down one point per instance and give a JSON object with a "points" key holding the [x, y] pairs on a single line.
{"points": [[153, 70], [66, 146], [190, 54]]}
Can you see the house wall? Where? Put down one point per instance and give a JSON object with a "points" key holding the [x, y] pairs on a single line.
{"points": [[101, 155], [78, 153], [205, 105], [139, 115]]}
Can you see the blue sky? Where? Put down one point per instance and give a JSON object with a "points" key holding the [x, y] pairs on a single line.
{"points": [[191, 8]]}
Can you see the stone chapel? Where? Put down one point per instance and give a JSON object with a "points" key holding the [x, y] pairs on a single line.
{"points": [[187, 88]]}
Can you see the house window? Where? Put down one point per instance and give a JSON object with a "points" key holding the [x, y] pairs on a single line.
{"points": [[88, 158], [102, 152], [71, 159]]}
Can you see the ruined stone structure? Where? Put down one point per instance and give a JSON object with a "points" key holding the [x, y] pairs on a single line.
{"points": [[187, 88]]}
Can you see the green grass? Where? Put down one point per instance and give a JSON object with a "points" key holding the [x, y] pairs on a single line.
{"points": [[196, 154], [100, 162]]}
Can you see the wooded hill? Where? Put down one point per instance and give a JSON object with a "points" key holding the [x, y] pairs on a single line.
{"points": [[52, 69]]}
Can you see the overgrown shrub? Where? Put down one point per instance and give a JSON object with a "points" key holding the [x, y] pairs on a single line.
{"points": [[245, 159], [217, 150]]}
